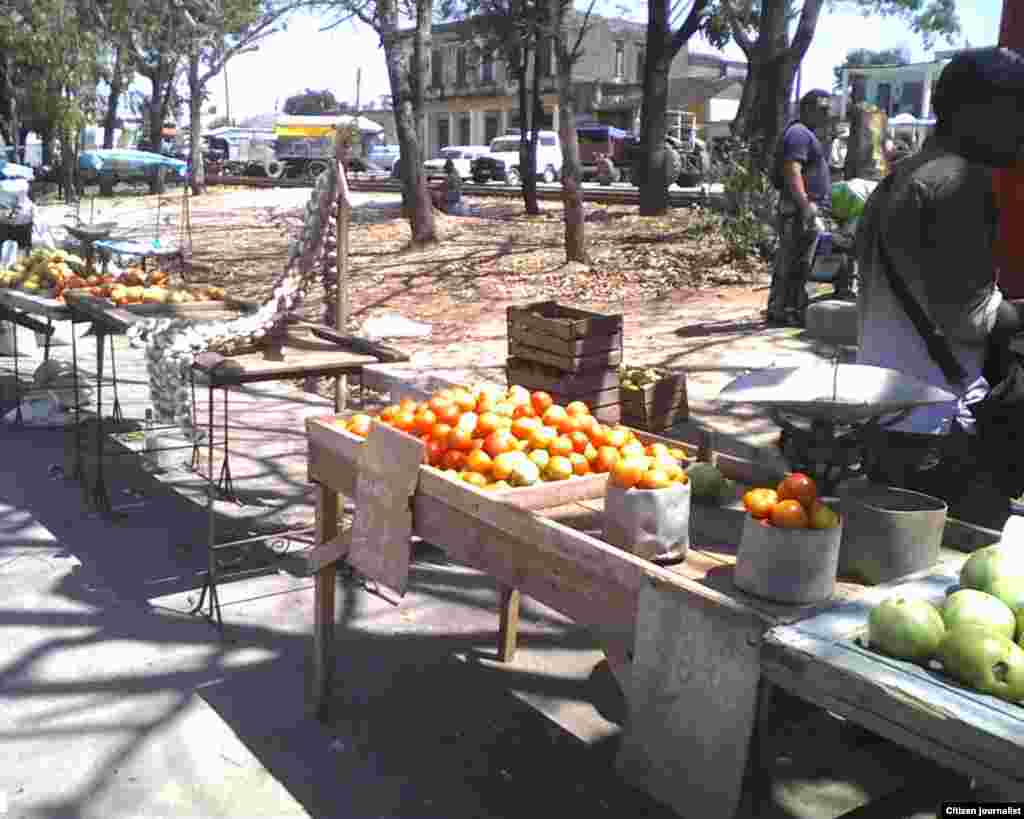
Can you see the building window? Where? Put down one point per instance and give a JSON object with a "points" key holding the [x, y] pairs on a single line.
{"points": [[487, 68], [620, 59], [443, 137], [492, 123], [465, 135], [437, 68], [460, 67], [641, 55]]}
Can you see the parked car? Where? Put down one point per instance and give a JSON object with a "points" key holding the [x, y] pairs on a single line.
{"points": [[501, 162], [384, 157], [461, 155]]}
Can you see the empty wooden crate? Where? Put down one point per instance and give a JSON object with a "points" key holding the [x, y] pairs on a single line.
{"points": [[656, 406], [564, 338]]}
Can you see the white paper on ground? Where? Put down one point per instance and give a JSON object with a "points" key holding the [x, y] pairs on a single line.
{"points": [[1013, 531]]}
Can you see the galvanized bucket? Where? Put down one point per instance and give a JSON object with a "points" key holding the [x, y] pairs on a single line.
{"points": [[889, 532]]}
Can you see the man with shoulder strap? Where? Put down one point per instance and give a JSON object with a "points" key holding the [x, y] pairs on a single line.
{"points": [[802, 171], [926, 248]]}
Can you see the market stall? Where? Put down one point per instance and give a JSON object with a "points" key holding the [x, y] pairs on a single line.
{"points": [[683, 639]]}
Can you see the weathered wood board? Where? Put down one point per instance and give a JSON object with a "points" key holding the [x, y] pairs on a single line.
{"points": [[553, 319], [380, 539], [567, 363], [823, 661], [37, 305]]}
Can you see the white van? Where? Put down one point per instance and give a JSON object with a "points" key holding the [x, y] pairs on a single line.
{"points": [[502, 161], [462, 157]]}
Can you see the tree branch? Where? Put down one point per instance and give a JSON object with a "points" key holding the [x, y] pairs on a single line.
{"points": [[689, 28], [805, 28], [739, 34]]}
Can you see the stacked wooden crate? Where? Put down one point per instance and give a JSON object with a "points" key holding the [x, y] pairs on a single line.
{"points": [[657, 405], [572, 354]]}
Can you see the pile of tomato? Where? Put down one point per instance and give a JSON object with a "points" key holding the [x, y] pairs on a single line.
{"points": [[472, 433], [793, 504]]}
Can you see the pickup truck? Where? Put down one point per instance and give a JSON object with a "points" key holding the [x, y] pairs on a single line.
{"points": [[687, 167], [501, 162]]}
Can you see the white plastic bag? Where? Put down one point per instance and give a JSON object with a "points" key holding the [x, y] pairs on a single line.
{"points": [[649, 523], [8, 254], [42, 236], [392, 325]]}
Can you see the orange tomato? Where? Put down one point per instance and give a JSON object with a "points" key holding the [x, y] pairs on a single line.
{"points": [[460, 438], [628, 472], [436, 404], [505, 408], [388, 413], [607, 457], [790, 514], [464, 400], [519, 395], [590, 453], [542, 437], [580, 464], [360, 425], [453, 459], [435, 452], [524, 411], [656, 449], [617, 437], [486, 403], [524, 427], [425, 420], [479, 461], [541, 457], [760, 502], [587, 423], [440, 433], [447, 394], [559, 468], [486, 423], [475, 479], [631, 448], [654, 479], [580, 440], [468, 421], [478, 443], [562, 445], [541, 401], [405, 421], [553, 415], [569, 424], [499, 441], [577, 408], [448, 413], [407, 404], [599, 435]]}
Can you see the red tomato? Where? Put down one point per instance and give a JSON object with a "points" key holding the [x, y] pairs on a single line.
{"points": [[798, 487]]}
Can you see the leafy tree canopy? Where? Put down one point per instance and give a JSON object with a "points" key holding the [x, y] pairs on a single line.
{"points": [[311, 102], [865, 57]]}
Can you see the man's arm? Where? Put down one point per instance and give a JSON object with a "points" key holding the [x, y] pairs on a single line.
{"points": [[792, 172]]}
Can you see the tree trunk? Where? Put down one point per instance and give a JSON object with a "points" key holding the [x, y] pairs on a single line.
{"points": [[744, 113], [572, 177], [528, 96], [116, 87], [415, 193], [195, 109], [11, 120], [67, 167], [654, 180]]}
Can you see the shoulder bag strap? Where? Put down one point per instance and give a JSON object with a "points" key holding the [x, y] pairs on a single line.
{"points": [[934, 339]]}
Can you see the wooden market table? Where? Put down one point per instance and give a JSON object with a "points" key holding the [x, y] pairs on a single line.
{"points": [[683, 641], [824, 660]]}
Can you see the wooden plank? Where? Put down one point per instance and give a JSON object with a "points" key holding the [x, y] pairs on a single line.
{"points": [[100, 311], [571, 584], [976, 734], [549, 380], [324, 603], [37, 305], [657, 423], [328, 553], [333, 457], [564, 322], [508, 627], [389, 468], [383, 353], [556, 493], [587, 345], [693, 686], [581, 363]]}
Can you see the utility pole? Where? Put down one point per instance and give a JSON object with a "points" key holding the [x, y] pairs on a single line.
{"points": [[227, 97], [359, 82]]}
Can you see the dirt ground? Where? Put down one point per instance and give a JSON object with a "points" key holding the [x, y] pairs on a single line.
{"points": [[497, 257]]}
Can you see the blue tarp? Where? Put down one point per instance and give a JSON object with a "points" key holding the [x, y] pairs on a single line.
{"points": [[8, 170], [124, 161]]}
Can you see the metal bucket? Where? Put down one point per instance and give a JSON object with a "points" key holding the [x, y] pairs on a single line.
{"points": [[889, 532]]}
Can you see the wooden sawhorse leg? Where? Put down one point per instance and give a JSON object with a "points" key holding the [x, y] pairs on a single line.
{"points": [[508, 627], [324, 607]]}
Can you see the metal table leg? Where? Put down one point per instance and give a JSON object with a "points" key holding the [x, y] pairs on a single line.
{"points": [[99, 496], [77, 473], [49, 337], [18, 418], [116, 415], [210, 584], [224, 482]]}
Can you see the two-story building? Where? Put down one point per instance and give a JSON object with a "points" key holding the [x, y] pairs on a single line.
{"points": [[472, 97]]}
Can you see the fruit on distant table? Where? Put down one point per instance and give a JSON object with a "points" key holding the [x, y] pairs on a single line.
{"points": [[799, 487], [998, 570], [789, 514], [977, 608], [705, 482], [907, 628], [821, 516], [984, 661], [627, 472], [654, 479], [760, 502]]}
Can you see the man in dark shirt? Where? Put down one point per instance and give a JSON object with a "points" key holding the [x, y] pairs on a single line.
{"points": [[802, 164]]}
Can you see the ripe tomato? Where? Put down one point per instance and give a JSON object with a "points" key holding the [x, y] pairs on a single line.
{"points": [[554, 415], [453, 459], [789, 514], [580, 440], [798, 487], [599, 435], [580, 464], [435, 452], [474, 479], [486, 423], [360, 425], [425, 420], [499, 441], [562, 445], [464, 400], [617, 437], [478, 461], [541, 401], [542, 437], [587, 423], [628, 472], [607, 457], [524, 411], [760, 502], [440, 433], [524, 427], [577, 408], [404, 421], [460, 438]]}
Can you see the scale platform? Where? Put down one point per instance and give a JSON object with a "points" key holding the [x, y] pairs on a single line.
{"points": [[841, 394]]}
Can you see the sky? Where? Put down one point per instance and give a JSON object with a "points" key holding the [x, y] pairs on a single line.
{"points": [[306, 57]]}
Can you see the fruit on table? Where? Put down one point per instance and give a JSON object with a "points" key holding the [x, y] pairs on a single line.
{"points": [[794, 504], [760, 502], [985, 661], [907, 628], [502, 436], [799, 487], [821, 516], [977, 608], [998, 570], [705, 482], [789, 514]]}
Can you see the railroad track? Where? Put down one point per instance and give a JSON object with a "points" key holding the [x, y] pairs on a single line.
{"points": [[606, 196]]}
